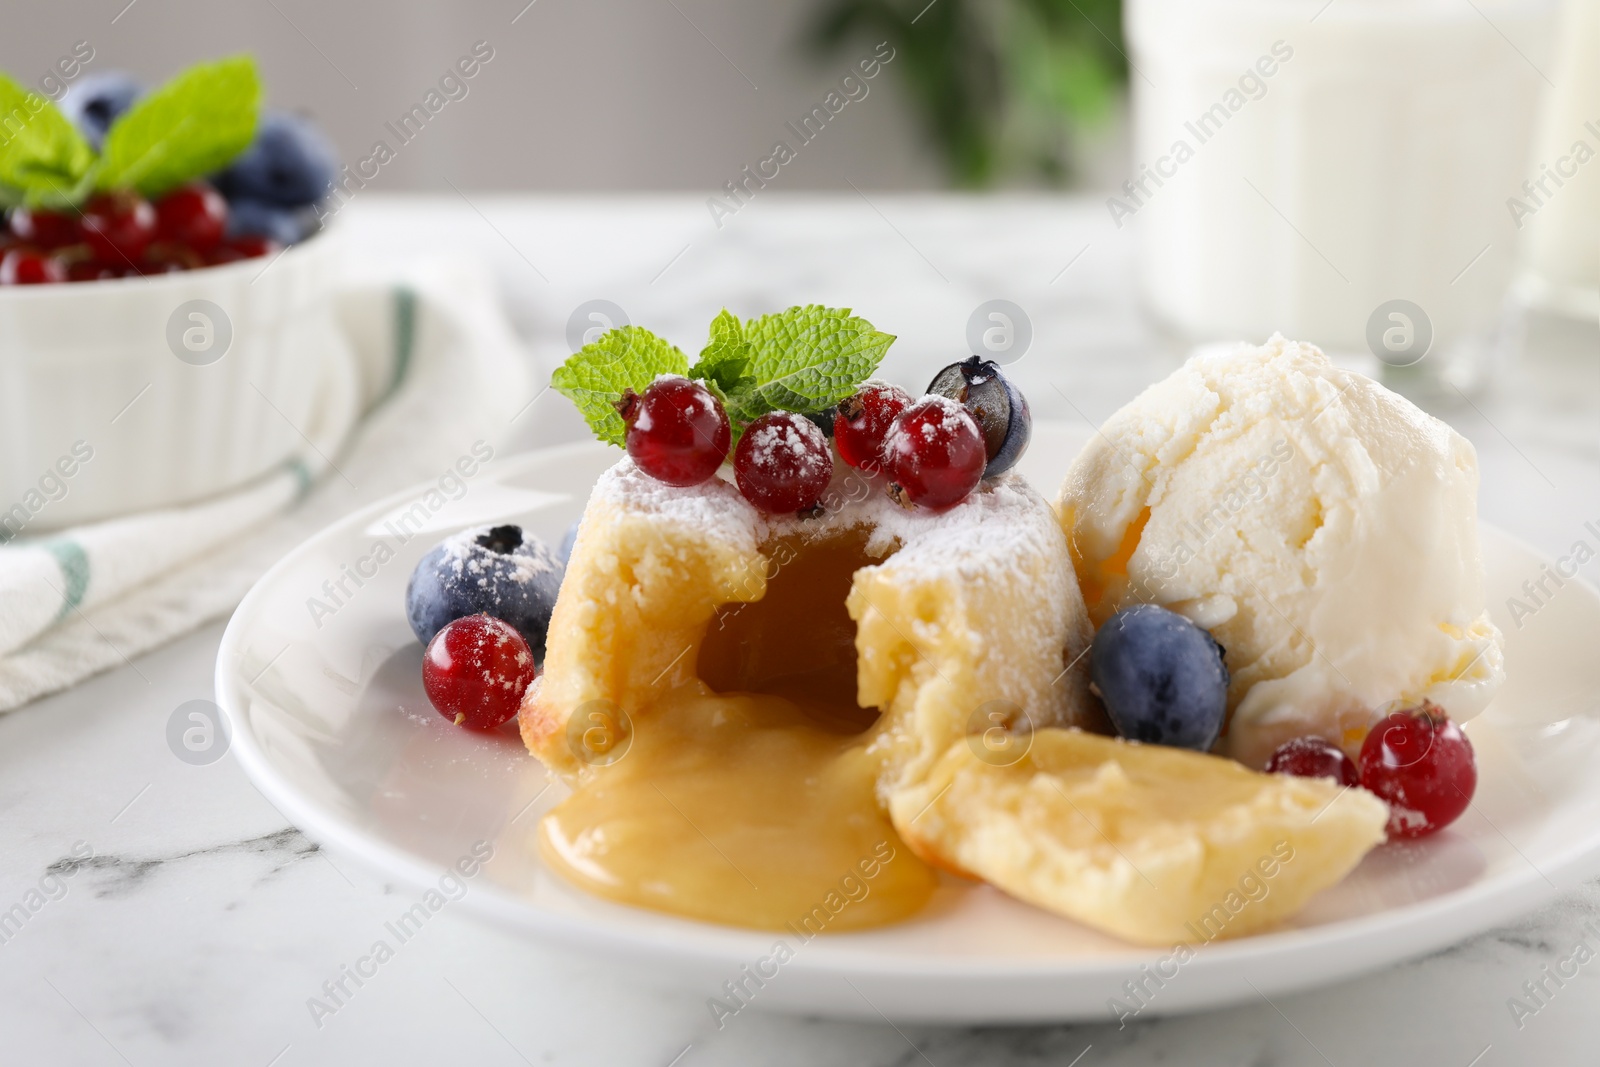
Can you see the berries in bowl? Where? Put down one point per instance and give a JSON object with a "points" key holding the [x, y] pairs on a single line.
{"points": [[228, 184], [125, 272]]}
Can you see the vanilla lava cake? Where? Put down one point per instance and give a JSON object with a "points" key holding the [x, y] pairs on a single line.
{"points": [[819, 650]]}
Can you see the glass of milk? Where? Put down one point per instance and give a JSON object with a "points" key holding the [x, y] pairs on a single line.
{"points": [[1561, 221], [1335, 170]]}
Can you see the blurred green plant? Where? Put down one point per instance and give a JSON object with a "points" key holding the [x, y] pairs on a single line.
{"points": [[1002, 86]]}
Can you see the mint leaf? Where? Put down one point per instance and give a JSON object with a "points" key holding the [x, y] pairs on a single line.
{"points": [[191, 126], [593, 378], [44, 160], [725, 360], [807, 359]]}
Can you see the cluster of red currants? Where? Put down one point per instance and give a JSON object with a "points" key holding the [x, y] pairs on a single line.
{"points": [[931, 450], [1416, 760], [120, 234]]}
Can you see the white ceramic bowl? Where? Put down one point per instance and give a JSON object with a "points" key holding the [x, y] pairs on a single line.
{"points": [[88, 369]]}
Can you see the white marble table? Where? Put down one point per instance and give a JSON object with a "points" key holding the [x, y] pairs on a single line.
{"points": [[204, 922]]}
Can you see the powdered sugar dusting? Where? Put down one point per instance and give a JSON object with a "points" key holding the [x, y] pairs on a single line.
{"points": [[937, 420], [777, 443], [475, 564], [995, 534], [991, 535], [713, 509], [878, 386], [954, 415]]}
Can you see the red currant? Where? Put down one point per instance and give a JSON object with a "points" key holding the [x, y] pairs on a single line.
{"points": [[193, 215], [677, 431], [934, 454], [247, 246], [167, 257], [89, 270], [118, 225], [30, 266], [476, 670], [79, 263], [1313, 757], [862, 420], [44, 229], [783, 463], [1423, 766]]}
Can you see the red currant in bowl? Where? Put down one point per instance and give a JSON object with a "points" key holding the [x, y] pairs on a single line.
{"points": [[169, 257], [862, 421], [30, 266], [1314, 757], [934, 454], [193, 216], [783, 463], [44, 229], [1423, 766], [476, 670], [245, 246], [677, 430], [89, 269], [118, 226]]}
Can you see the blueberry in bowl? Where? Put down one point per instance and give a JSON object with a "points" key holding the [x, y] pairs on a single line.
{"points": [[275, 222], [1161, 678], [289, 164], [97, 101], [491, 570]]}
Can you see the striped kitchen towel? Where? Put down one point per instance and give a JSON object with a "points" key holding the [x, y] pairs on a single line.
{"points": [[438, 369]]}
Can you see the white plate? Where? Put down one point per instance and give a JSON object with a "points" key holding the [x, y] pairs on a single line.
{"points": [[331, 723]]}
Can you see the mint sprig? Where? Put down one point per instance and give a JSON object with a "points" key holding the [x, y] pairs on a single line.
{"points": [[44, 160], [193, 125], [725, 360], [594, 377], [805, 360]]}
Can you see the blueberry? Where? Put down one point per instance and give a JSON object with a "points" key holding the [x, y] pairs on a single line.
{"points": [[1018, 432], [289, 163], [823, 420], [97, 101], [1161, 678], [997, 404], [259, 218], [496, 570], [569, 539]]}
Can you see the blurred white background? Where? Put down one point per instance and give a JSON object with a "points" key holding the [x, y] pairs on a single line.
{"points": [[581, 95]]}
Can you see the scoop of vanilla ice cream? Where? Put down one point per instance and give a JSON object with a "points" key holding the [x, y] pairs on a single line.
{"points": [[1321, 527]]}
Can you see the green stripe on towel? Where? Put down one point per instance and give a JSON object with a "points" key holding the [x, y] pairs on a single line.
{"points": [[405, 336], [74, 563], [302, 476]]}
